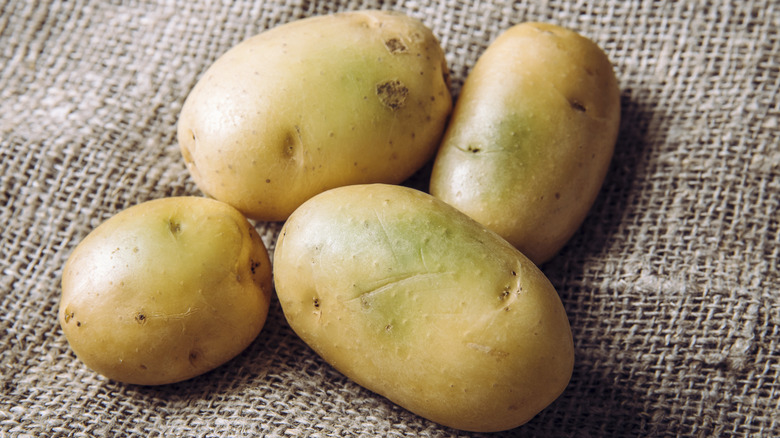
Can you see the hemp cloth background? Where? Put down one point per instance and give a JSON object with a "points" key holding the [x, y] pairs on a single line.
{"points": [[671, 284]]}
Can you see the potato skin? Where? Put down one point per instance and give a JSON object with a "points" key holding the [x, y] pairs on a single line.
{"points": [[415, 301], [313, 104], [165, 290], [531, 137]]}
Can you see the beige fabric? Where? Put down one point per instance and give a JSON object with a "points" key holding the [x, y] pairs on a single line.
{"points": [[671, 284]]}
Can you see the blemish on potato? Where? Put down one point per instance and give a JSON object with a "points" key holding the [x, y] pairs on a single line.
{"points": [[316, 302], [174, 226], [487, 350], [395, 45], [253, 265], [288, 145], [577, 106], [392, 94], [193, 356], [140, 318]]}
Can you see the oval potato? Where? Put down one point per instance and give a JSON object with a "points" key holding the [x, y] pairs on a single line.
{"points": [[322, 102], [165, 290], [531, 137], [417, 302]]}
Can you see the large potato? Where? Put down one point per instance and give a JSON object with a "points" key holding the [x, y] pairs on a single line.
{"points": [[531, 137], [413, 300], [314, 104], [165, 290]]}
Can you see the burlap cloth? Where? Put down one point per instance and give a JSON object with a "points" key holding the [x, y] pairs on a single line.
{"points": [[671, 284]]}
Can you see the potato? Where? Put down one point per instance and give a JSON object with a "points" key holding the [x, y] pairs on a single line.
{"points": [[531, 137], [415, 301], [318, 103], [165, 290]]}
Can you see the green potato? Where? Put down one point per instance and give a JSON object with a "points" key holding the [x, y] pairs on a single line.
{"points": [[165, 290], [415, 301], [317, 103], [531, 137]]}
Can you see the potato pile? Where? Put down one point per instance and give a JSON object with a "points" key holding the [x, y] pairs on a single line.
{"points": [[434, 301]]}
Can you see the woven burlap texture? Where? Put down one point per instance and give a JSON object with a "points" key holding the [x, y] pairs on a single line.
{"points": [[671, 284]]}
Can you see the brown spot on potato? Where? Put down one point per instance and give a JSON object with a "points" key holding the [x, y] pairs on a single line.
{"points": [[174, 226], [395, 45], [288, 145], [291, 139], [140, 318], [577, 106], [316, 303], [193, 356], [392, 94]]}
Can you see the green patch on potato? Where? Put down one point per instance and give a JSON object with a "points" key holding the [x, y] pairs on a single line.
{"points": [[531, 137], [165, 290], [317, 103], [413, 300]]}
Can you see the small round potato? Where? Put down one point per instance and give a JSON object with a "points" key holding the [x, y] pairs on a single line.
{"points": [[415, 301], [165, 290], [531, 137], [322, 102]]}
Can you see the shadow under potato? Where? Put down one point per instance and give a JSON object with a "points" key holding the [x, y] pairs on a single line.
{"points": [[602, 385]]}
